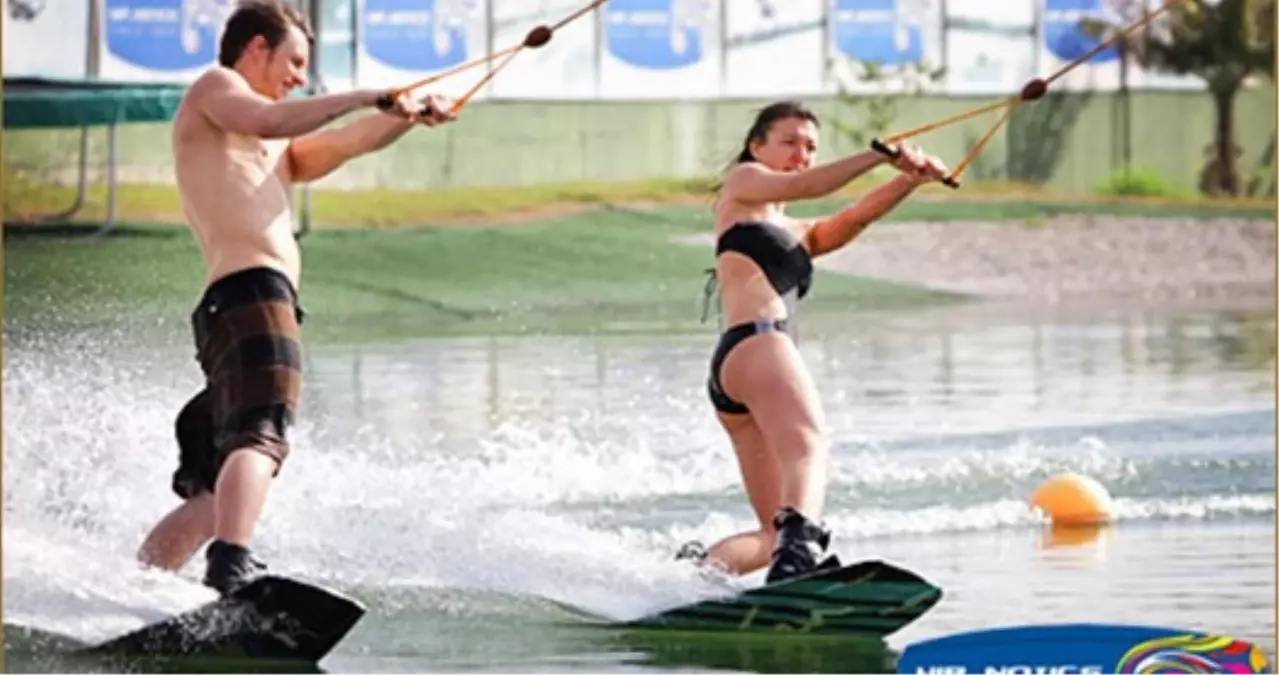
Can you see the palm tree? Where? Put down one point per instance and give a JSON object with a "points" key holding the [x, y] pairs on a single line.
{"points": [[1223, 42]]}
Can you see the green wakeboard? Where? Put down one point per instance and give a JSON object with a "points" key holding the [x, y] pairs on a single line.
{"points": [[864, 599]]}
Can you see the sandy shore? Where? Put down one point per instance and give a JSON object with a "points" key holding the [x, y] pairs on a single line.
{"points": [[1071, 260]]}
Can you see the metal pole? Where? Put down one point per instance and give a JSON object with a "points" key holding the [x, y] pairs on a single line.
{"points": [[315, 11], [597, 22], [944, 39], [490, 30], [93, 58], [828, 53], [723, 46], [1037, 35], [357, 7]]}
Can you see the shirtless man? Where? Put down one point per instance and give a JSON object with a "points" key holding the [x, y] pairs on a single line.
{"points": [[238, 147]]}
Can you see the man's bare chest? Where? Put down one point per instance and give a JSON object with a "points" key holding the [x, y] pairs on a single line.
{"points": [[258, 155]]}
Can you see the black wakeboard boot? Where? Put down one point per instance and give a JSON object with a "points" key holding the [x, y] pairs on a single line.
{"points": [[801, 545], [230, 567]]}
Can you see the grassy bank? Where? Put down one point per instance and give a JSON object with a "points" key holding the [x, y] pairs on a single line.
{"points": [[613, 268], [24, 198], [587, 272]]}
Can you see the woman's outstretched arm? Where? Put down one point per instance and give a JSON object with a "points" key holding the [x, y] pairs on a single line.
{"points": [[754, 182], [835, 231]]}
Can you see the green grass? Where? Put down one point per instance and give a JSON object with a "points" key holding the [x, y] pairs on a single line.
{"points": [[612, 268], [602, 271], [1035, 212], [24, 198], [145, 203]]}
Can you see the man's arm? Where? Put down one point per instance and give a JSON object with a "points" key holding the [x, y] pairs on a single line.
{"points": [[228, 102], [757, 183], [829, 234], [316, 155]]}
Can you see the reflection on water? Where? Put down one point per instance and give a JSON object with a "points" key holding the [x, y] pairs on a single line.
{"points": [[1059, 536], [879, 378], [1201, 576], [570, 468], [794, 654]]}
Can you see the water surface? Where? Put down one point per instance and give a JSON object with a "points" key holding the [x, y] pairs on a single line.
{"points": [[468, 489]]}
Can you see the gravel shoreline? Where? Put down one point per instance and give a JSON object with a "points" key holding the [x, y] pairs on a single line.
{"points": [[1072, 260]]}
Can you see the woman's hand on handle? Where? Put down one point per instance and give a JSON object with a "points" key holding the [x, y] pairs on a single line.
{"points": [[919, 166]]}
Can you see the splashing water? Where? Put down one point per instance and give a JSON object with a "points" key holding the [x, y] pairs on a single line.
{"points": [[531, 470]]}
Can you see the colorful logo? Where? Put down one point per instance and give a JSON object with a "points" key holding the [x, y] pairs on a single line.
{"points": [[1082, 648], [1193, 654]]}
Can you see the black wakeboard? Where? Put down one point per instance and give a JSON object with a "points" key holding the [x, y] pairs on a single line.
{"points": [[865, 599], [23, 638], [272, 618]]}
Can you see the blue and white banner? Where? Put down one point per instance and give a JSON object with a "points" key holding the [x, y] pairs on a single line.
{"points": [[988, 64], [1013, 17], [406, 40], [335, 48], [46, 39], [885, 32], [774, 48], [563, 68], [660, 49], [1066, 40], [891, 34], [160, 40], [990, 48]]}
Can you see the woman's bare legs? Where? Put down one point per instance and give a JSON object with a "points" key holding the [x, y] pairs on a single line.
{"points": [[746, 552], [780, 445], [767, 374]]}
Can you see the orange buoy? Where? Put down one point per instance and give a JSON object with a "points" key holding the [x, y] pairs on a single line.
{"points": [[1071, 499]]}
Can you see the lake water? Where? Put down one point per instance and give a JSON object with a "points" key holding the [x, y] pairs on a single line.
{"points": [[463, 487]]}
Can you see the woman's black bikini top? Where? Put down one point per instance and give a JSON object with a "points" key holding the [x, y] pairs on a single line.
{"points": [[782, 258]]}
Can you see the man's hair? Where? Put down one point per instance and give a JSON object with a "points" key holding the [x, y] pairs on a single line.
{"points": [[271, 19]]}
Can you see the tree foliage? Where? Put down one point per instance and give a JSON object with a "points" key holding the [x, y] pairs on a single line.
{"points": [[1223, 42], [869, 93]]}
